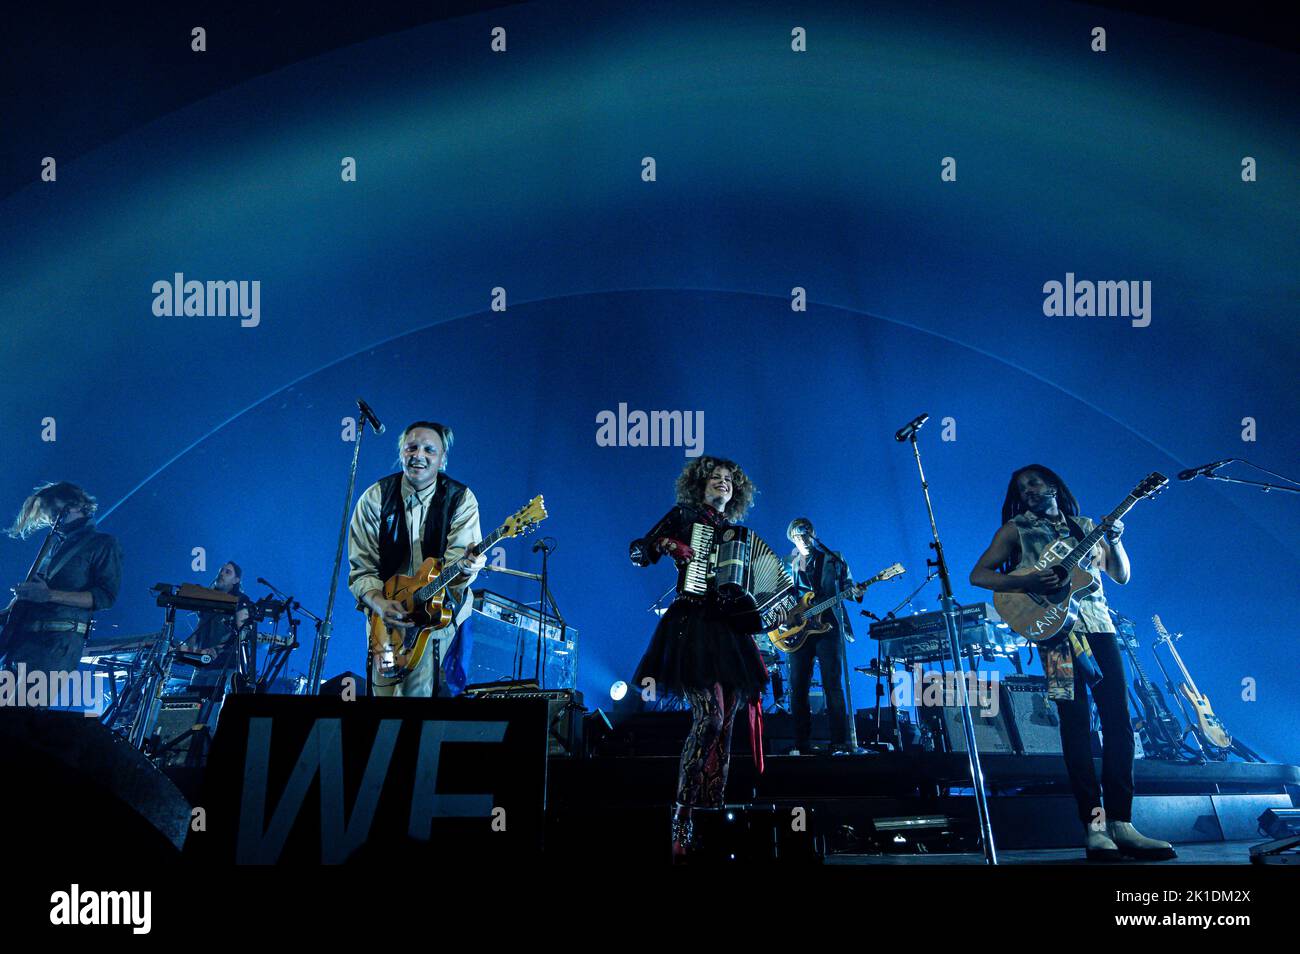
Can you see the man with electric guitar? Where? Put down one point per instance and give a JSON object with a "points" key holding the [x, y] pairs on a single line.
{"points": [[820, 573], [77, 572], [400, 522], [1044, 567]]}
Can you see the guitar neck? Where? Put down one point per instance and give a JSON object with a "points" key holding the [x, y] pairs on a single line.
{"points": [[1169, 640], [1187, 676], [1091, 540], [839, 595], [439, 583]]}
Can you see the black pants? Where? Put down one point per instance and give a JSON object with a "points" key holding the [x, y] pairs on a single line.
{"points": [[825, 650], [1111, 696], [45, 651]]}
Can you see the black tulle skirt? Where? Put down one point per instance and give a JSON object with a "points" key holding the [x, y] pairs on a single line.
{"points": [[697, 646]]}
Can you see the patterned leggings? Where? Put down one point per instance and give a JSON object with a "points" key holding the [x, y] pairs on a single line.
{"points": [[702, 779]]}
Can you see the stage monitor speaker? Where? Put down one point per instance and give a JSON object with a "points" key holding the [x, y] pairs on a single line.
{"points": [[1033, 716]]}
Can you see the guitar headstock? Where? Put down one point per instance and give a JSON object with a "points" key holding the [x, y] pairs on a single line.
{"points": [[525, 519], [889, 572], [1160, 628], [1151, 485]]}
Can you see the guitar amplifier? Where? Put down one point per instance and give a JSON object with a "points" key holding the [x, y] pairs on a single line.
{"points": [[564, 711], [177, 714], [1033, 716], [504, 644], [992, 732]]}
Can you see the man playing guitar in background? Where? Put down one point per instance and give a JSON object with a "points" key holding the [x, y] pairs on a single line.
{"points": [[817, 569], [51, 616], [1038, 510], [400, 521]]}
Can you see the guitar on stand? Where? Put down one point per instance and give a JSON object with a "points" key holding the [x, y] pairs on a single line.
{"points": [[1208, 727], [429, 606], [1162, 730]]}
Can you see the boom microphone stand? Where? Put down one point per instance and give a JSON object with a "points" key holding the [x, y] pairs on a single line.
{"points": [[952, 624], [317, 667]]}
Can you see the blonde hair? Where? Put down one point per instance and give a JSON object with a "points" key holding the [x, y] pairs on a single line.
{"points": [[47, 501]]}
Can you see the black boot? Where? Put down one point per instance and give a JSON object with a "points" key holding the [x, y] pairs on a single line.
{"points": [[683, 834]]}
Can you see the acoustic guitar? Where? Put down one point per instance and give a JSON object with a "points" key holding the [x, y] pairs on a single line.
{"points": [[427, 603], [1041, 616], [1209, 727], [808, 618]]}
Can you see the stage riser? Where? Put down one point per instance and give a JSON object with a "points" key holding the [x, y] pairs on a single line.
{"points": [[852, 792], [1025, 822]]}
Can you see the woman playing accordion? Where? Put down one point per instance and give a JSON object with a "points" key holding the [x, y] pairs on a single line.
{"points": [[699, 651]]}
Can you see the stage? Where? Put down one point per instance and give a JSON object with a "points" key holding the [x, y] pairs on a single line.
{"points": [[1200, 808], [1211, 853]]}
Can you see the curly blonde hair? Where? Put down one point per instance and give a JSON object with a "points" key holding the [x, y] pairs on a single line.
{"points": [[695, 475]]}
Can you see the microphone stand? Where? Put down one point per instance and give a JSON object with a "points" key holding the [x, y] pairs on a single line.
{"points": [[953, 625], [326, 627], [545, 596], [1263, 485]]}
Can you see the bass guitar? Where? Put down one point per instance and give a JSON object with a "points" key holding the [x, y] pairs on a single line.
{"points": [[428, 605], [1209, 727], [1041, 616], [807, 618]]}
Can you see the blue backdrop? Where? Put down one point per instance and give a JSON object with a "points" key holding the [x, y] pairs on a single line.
{"points": [[774, 169]]}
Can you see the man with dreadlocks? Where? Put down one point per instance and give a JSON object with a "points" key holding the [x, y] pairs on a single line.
{"points": [[697, 652], [51, 616], [1038, 510]]}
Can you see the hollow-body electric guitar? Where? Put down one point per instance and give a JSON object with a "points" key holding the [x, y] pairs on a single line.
{"points": [[1209, 726], [807, 618], [1041, 616], [427, 603]]}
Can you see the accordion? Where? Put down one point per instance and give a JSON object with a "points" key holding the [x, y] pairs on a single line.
{"points": [[734, 564]]}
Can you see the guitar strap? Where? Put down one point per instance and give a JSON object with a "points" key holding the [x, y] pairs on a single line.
{"points": [[65, 555], [1061, 655]]}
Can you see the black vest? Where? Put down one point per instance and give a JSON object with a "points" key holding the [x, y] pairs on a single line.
{"points": [[395, 542]]}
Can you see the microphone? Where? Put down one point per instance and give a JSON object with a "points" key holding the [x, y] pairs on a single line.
{"points": [[1205, 469], [910, 428], [369, 415], [545, 543]]}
